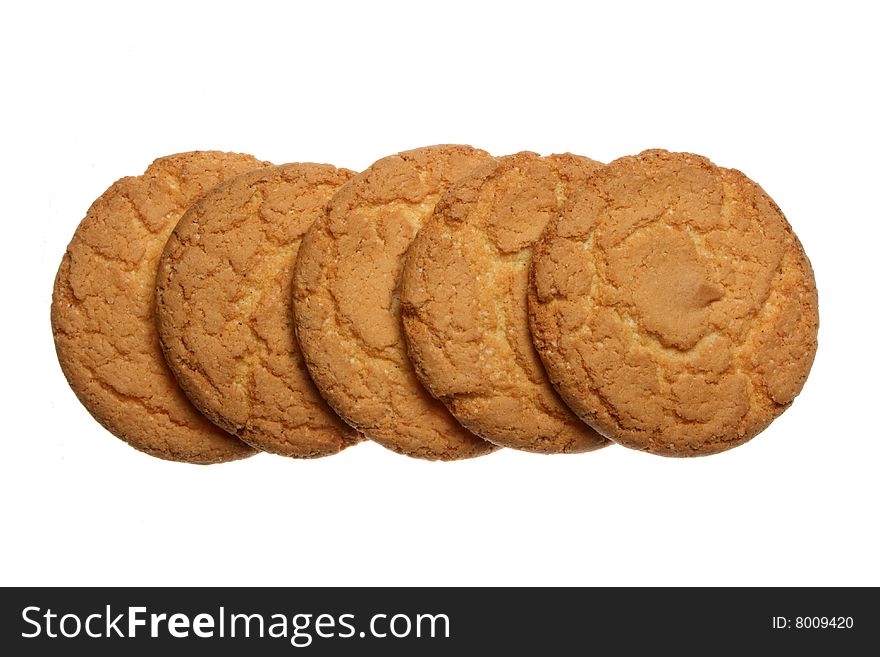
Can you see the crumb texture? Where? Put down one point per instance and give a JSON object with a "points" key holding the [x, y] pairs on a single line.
{"points": [[346, 306], [223, 301], [464, 303], [673, 306], [103, 311]]}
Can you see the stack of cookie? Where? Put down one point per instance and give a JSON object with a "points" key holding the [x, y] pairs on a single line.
{"points": [[443, 303]]}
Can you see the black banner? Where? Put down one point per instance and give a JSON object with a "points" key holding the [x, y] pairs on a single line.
{"points": [[437, 621]]}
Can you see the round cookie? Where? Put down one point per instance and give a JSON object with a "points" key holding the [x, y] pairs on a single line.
{"points": [[223, 304], [346, 307], [672, 305], [463, 298], [103, 312]]}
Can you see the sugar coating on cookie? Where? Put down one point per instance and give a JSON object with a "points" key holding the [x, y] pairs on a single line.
{"points": [[464, 303], [103, 312], [346, 305], [673, 306], [223, 302]]}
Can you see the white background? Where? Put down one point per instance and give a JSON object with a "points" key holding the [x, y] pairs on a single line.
{"points": [[785, 92]]}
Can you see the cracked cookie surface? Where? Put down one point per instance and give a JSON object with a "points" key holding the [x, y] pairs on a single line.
{"points": [[464, 303], [223, 301], [673, 306], [103, 311], [346, 307]]}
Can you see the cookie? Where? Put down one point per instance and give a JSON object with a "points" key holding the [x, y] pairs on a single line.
{"points": [[224, 316], [673, 306], [463, 299], [346, 306], [103, 312]]}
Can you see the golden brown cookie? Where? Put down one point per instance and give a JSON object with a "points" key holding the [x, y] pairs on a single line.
{"points": [[463, 299], [346, 304], [673, 307], [103, 313], [223, 303]]}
